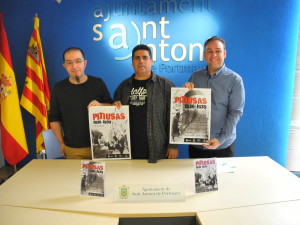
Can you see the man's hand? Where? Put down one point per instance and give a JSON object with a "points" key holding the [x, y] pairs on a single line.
{"points": [[94, 103], [213, 143], [118, 104], [62, 150], [189, 85], [172, 153]]}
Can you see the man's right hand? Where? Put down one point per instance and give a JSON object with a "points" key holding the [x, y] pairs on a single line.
{"points": [[118, 104], [62, 150], [188, 85]]}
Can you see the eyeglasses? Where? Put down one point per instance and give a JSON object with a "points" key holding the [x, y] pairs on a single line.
{"points": [[76, 62]]}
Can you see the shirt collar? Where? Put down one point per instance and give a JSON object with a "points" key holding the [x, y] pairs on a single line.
{"points": [[153, 77], [217, 73]]}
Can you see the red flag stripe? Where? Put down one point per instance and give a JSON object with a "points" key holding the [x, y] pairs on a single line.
{"points": [[35, 100], [4, 47], [46, 86], [34, 34], [16, 153], [39, 128]]}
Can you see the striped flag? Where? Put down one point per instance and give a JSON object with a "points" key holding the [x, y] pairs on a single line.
{"points": [[14, 145], [36, 94]]}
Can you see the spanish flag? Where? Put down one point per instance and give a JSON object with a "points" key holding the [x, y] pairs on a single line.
{"points": [[36, 95], [14, 145]]}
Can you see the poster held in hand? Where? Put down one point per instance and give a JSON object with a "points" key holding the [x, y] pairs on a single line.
{"points": [[109, 132], [190, 114]]}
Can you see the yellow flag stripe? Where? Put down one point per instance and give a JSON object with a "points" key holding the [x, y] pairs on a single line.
{"points": [[39, 142]]}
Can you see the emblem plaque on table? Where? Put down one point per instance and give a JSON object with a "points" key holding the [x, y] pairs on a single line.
{"points": [[190, 114], [205, 175], [109, 132], [92, 178], [149, 192]]}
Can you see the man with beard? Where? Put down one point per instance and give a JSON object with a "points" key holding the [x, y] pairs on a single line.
{"points": [[69, 103]]}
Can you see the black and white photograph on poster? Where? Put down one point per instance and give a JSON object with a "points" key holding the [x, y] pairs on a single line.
{"points": [[92, 178], [190, 114], [205, 175], [109, 131]]}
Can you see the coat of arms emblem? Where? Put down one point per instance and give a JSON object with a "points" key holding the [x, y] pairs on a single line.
{"points": [[124, 191], [5, 85]]}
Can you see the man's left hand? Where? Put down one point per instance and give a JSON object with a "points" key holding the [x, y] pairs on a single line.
{"points": [[94, 103], [172, 153], [213, 143]]}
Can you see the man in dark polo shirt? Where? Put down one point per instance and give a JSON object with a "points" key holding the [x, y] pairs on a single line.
{"points": [[148, 97]]}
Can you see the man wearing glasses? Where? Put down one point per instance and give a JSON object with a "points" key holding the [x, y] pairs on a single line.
{"points": [[70, 99]]}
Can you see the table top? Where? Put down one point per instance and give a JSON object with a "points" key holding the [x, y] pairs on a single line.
{"points": [[55, 184], [27, 216], [286, 213]]}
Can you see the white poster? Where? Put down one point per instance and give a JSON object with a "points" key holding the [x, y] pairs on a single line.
{"points": [[190, 115], [109, 131]]}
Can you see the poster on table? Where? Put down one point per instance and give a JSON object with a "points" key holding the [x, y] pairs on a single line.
{"points": [[92, 178], [205, 175]]}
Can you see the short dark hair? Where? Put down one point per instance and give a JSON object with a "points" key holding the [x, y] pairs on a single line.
{"points": [[214, 38], [73, 49], [141, 47]]}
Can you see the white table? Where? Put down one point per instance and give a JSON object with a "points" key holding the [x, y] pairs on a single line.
{"points": [[55, 185], [282, 213], [10, 215]]}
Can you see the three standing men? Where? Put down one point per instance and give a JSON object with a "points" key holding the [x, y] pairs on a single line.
{"points": [[148, 97]]}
